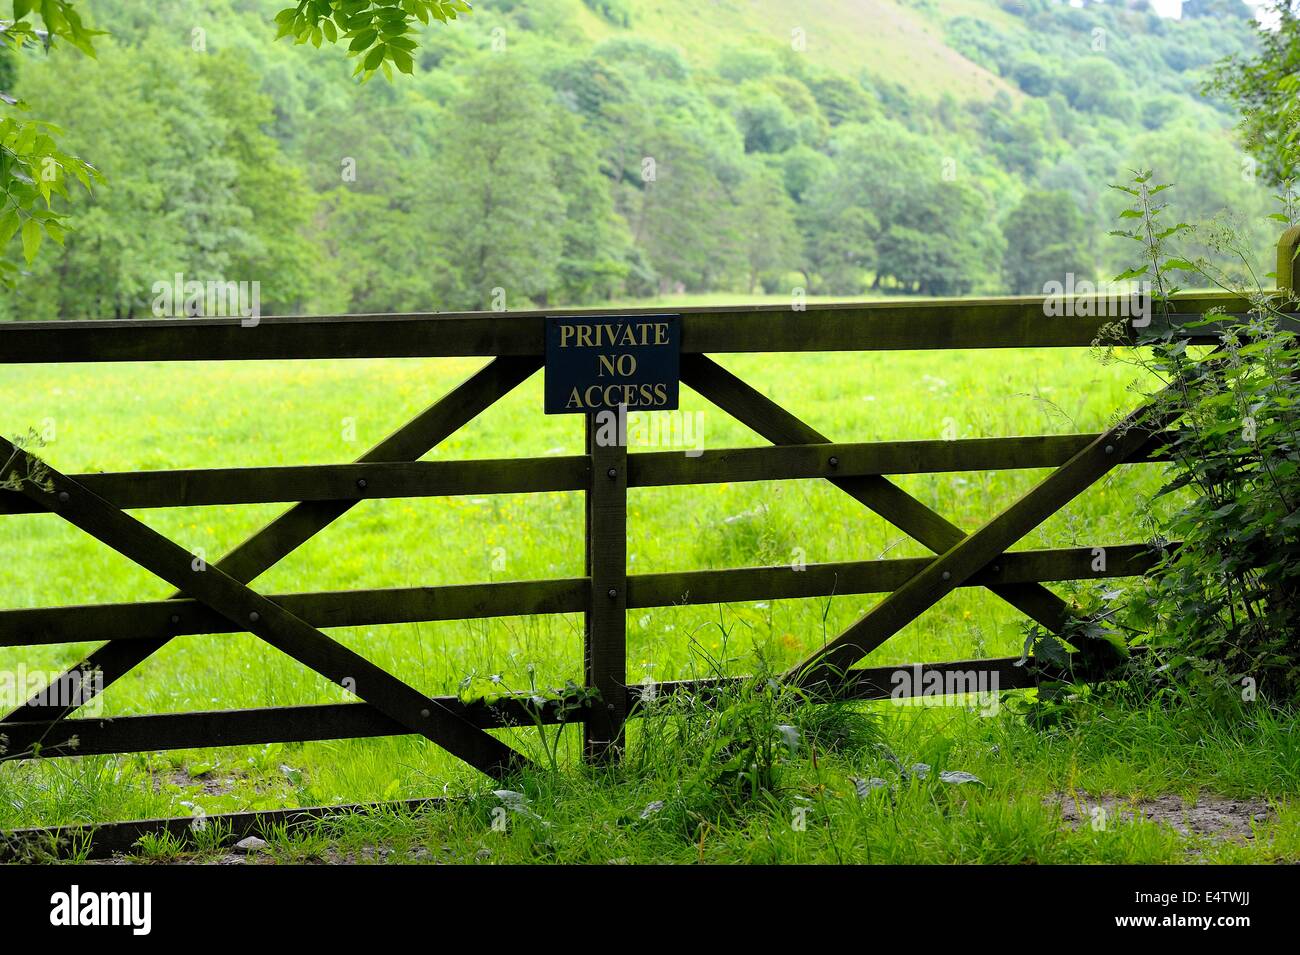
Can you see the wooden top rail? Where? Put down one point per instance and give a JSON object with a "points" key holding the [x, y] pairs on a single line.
{"points": [[1014, 322]]}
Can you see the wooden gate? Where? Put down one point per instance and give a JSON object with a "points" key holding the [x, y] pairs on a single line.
{"points": [[218, 599]]}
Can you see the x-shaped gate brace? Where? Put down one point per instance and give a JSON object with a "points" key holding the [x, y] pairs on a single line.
{"points": [[960, 556], [223, 586]]}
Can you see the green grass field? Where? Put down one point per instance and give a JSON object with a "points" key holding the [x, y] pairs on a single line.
{"points": [[148, 416]]}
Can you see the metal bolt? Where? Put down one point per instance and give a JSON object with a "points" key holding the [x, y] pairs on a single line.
{"points": [[424, 713], [63, 497], [947, 576], [1110, 449], [997, 568], [176, 618], [254, 617], [612, 472], [835, 462], [361, 483], [612, 593], [610, 707]]}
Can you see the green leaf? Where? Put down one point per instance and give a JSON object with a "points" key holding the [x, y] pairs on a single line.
{"points": [[31, 240], [375, 57], [362, 40], [1130, 274], [1050, 650], [26, 137], [8, 226]]}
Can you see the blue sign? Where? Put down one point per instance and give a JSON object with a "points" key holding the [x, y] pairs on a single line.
{"points": [[597, 363]]}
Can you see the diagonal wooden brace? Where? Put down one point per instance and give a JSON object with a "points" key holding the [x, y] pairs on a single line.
{"points": [[290, 634], [968, 557], [273, 542], [754, 409]]}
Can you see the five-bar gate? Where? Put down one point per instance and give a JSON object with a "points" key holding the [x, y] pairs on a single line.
{"points": [[218, 599]]}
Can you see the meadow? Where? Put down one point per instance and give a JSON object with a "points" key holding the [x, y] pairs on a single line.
{"points": [[153, 415]]}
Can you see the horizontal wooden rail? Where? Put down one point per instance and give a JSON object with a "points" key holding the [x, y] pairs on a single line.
{"points": [[900, 681], [835, 460], [893, 325], [877, 576], [325, 482], [149, 620], [413, 479], [98, 736], [298, 724]]}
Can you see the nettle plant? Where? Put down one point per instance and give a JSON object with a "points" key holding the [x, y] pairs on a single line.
{"points": [[1221, 611]]}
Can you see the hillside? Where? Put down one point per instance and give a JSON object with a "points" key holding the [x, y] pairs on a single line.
{"points": [[886, 37], [580, 151]]}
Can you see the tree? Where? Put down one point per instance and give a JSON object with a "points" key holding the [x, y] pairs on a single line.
{"points": [[1265, 88], [768, 125], [595, 240], [1046, 240], [282, 253], [867, 184], [498, 207], [841, 100], [932, 228], [33, 169], [1031, 75], [801, 168], [1096, 85], [770, 239], [945, 245], [841, 245], [172, 207], [382, 252], [683, 215]]}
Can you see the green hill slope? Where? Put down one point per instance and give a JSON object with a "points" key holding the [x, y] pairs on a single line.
{"points": [[885, 37]]}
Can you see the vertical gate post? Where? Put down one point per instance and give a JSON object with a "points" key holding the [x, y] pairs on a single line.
{"points": [[605, 638], [1286, 262]]}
